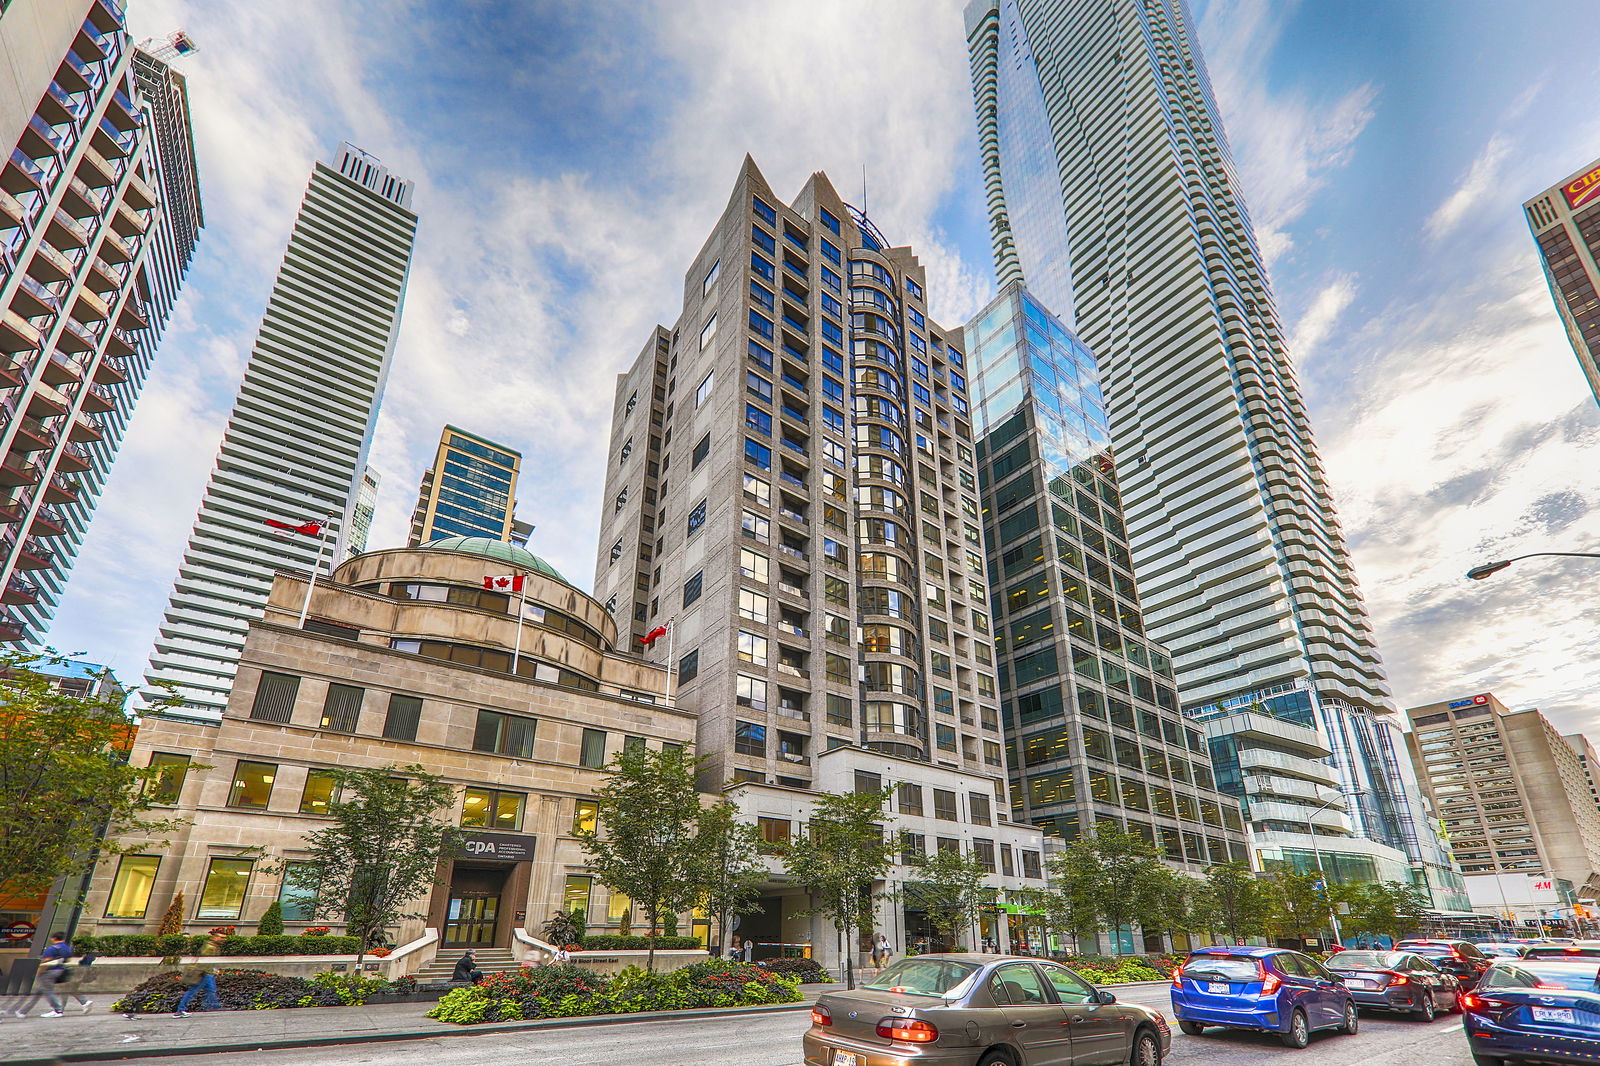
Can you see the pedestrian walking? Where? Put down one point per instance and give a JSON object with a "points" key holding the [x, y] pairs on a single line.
{"points": [[881, 952], [562, 955], [202, 978], [50, 980], [749, 951]]}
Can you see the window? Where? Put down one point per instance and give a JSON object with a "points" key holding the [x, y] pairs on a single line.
{"points": [[978, 810], [710, 279], [762, 266], [983, 852], [341, 710], [322, 789], [838, 668], [1018, 985], [757, 420], [828, 219], [839, 709], [774, 833], [166, 783], [750, 692], [701, 450], [761, 325], [275, 696], [829, 252], [944, 805], [868, 782], [750, 738], [944, 737], [762, 208], [223, 893], [691, 588], [1030, 864], [1069, 987], [252, 785], [753, 565], [404, 714], [752, 649], [297, 898], [758, 453], [593, 753], [130, 889], [752, 605], [689, 667], [489, 808], [504, 734], [708, 333], [697, 518], [621, 501], [910, 798], [633, 401], [616, 550], [832, 280]]}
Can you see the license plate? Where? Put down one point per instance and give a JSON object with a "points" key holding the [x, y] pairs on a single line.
{"points": [[1221, 987], [1553, 1014], [1358, 982], [844, 1058]]}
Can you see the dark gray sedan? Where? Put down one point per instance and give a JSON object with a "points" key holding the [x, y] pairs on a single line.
{"points": [[982, 1010], [1396, 980]]}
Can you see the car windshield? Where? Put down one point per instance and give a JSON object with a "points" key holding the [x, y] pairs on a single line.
{"points": [[1363, 960], [1578, 977], [1512, 950], [1430, 949], [924, 977], [1222, 967]]}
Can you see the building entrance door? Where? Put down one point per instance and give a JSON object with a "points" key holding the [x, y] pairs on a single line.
{"points": [[473, 913]]}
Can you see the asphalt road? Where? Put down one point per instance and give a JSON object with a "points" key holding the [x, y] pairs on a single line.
{"points": [[774, 1040]]}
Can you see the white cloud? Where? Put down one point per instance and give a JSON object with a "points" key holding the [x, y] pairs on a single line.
{"points": [[1482, 180], [1285, 144], [1318, 321]]}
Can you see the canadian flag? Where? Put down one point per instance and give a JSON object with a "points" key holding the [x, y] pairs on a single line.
{"points": [[650, 638], [504, 583], [310, 529]]}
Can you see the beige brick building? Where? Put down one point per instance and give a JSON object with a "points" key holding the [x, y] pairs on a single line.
{"points": [[404, 659]]}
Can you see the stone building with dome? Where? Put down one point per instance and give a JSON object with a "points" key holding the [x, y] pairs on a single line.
{"points": [[404, 657]]}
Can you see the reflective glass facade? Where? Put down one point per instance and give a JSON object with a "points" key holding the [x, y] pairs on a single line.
{"points": [[470, 491]]}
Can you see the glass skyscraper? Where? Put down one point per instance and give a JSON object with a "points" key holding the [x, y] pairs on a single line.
{"points": [[1112, 193], [469, 491]]}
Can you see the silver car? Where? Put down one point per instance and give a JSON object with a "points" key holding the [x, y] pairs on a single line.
{"points": [[981, 1010]]}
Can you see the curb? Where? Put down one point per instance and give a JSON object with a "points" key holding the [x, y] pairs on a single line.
{"points": [[395, 1035]]}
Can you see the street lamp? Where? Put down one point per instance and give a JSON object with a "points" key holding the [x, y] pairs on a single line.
{"points": [[1311, 829], [1483, 570]]}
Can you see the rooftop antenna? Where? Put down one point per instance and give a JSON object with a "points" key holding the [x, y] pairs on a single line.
{"points": [[863, 188]]}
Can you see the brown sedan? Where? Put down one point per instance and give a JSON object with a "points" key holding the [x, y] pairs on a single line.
{"points": [[982, 1010]]}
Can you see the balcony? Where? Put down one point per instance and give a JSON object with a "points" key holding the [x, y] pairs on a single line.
{"points": [[61, 489], [17, 334], [23, 175], [61, 108], [32, 299], [82, 201], [48, 522], [46, 401], [11, 373], [48, 265], [132, 315], [65, 232], [94, 170], [33, 435], [10, 628], [62, 369], [40, 140], [794, 630], [792, 669], [115, 146], [114, 248], [86, 428], [34, 557], [109, 373], [18, 591], [75, 75], [91, 46], [138, 194], [793, 552], [12, 212], [119, 345], [794, 591], [17, 469], [73, 459], [121, 112], [1309, 769], [98, 399], [128, 222], [103, 277], [90, 307], [76, 337]]}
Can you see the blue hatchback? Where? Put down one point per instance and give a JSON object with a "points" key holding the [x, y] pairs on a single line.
{"points": [[1547, 1009], [1265, 989]]}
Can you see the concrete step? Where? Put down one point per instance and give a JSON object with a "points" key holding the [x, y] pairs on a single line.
{"points": [[490, 960]]}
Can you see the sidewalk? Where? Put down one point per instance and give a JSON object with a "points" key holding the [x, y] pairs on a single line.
{"points": [[100, 1036]]}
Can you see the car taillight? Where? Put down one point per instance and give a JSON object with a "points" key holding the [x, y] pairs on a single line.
{"points": [[1494, 1008], [1398, 978], [1269, 982], [820, 1015], [911, 1030]]}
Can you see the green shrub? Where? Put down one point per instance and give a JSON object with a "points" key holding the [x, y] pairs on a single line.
{"points": [[808, 971], [127, 945], [351, 988], [608, 942], [271, 923]]}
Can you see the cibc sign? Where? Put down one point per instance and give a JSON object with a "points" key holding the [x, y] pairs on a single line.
{"points": [[499, 847], [1475, 700]]}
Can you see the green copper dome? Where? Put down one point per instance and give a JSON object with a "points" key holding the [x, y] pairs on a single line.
{"points": [[515, 557]]}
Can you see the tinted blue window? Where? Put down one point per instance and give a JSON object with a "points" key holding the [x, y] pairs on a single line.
{"points": [[916, 342], [761, 355], [829, 252], [832, 419], [832, 360], [921, 393], [957, 358], [832, 306], [919, 368], [757, 419], [761, 325], [765, 210], [759, 454], [832, 332], [832, 280], [957, 381], [763, 240], [762, 267], [828, 219], [916, 318], [832, 389]]}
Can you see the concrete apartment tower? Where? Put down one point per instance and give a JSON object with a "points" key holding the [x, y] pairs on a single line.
{"points": [[469, 491], [1112, 195], [99, 214], [1516, 802], [297, 441], [1089, 702], [791, 482], [1565, 221]]}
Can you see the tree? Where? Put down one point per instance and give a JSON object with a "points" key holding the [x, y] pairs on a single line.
{"points": [[1235, 901], [381, 852], [172, 920], [67, 793], [1112, 877], [1387, 908], [728, 871], [843, 851], [648, 812], [1302, 908], [952, 888], [271, 923]]}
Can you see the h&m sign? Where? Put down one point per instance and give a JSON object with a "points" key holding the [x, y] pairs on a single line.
{"points": [[502, 847]]}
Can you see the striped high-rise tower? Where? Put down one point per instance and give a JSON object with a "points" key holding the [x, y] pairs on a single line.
{"points": [[297, 441], [1111, 192]]}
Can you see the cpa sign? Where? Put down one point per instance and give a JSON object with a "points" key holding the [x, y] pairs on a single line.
{"points": [[499, 847]]}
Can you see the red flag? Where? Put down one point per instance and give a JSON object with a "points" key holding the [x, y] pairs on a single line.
{"points": [[503, 583], [310, 529], [650, 638]]}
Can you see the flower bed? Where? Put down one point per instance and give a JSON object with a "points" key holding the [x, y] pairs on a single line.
{"points": [[1124, 969], [806, 971], [145, 945], [257, 990], [570, 991]]}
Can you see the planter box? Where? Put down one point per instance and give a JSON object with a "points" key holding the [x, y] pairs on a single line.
{"points": [[612, 962], [124, 973]]}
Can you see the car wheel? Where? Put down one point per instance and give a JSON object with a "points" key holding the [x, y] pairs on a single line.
{"points": [[1299, 1033], [1146, 1050], [1426, 1009], [1192, 1028], [996, 1058], [1352, 1020]]}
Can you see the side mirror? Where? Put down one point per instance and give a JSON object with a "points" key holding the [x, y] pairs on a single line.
{"points": [[1102, 996], [1338, 978]]}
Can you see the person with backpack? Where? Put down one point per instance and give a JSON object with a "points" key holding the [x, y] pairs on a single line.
{"points": [[54, 972], [202, 977]]}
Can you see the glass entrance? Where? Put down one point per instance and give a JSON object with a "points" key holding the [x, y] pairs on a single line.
{"points": [[471, 921]]}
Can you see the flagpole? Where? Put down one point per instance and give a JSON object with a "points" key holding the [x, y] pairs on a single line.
{"points": [[672, 641], [522, 605], [322, 541]]}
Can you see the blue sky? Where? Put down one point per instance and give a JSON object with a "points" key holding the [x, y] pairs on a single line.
{"points": [[571, 158]]}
